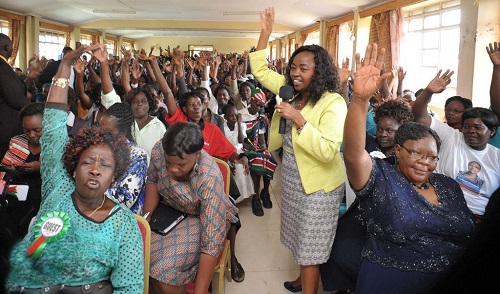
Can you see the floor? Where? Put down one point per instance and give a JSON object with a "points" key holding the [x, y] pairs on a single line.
{"points": [[266, 261]]}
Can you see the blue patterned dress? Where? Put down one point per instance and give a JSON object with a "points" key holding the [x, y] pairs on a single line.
{"points": [[90, 251], [131, 188], [411, 241]]}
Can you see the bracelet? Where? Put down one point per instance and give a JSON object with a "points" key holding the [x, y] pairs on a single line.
{"points": [[60, 82], [299, 129], [134, 85]]}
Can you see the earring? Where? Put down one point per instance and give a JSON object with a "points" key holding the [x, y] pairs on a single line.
{"points": [[195, 168]]}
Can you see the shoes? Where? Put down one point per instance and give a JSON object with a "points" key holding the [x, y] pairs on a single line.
{"points": [[257, 207], [289, 286], [266, 199], [237, 272]]}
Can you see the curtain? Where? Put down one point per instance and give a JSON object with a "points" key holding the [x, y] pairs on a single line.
{"points": [[68, 39], [386, 30], [15, 37], [332, 42], [302, 39]]}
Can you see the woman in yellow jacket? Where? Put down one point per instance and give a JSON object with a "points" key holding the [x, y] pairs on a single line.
{"points": [[313, 175]]}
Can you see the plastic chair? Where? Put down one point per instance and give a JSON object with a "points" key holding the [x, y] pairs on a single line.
{"points": [[146, 242], [224, 259]]}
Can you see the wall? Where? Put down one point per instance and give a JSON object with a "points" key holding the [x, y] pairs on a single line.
{"points": [[488, 31], [223, 45]]}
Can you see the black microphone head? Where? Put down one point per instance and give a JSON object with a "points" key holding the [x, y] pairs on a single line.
{"points": [[286, 92]]}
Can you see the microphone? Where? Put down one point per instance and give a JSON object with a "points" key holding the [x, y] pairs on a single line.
{"points": [[286, 93]]}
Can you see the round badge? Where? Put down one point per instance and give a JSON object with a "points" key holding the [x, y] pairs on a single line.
{"points": [[51, 227]]}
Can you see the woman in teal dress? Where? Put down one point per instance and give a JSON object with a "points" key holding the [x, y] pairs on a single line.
{"points": [[80, 240]]}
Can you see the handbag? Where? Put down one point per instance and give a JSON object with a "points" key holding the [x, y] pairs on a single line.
{"points": [[165, 218]]}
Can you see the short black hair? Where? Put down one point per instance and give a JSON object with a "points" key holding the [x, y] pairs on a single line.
{"points": [[398, 109], [31, 109], [415, 131], [466, 103], [182, 137], [149, 96], [488, 117]]}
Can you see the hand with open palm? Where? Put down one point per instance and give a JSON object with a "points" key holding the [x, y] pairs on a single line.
{"points": [[368, 78], [494, 53]]}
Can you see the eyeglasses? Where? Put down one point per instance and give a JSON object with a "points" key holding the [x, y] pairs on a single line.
{"points": [[419, 156], [455, 111], [137, 102]]}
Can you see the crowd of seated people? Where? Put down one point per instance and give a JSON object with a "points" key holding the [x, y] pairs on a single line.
{"points": [[446, 170]]}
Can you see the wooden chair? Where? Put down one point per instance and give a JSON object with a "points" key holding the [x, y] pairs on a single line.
{"points": [[224, 259], [146, 242]]}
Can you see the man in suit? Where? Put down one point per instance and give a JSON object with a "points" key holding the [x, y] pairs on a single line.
{"points": [[51, 69], [12, 97]]}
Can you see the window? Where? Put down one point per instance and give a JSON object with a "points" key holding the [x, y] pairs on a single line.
{"points": [[86, 40], [110, 46], [346, 38], [312, 38], [51, 44], [197, 49], [432, 36], [4, 27]]}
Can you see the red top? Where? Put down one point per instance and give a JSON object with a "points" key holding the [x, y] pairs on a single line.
{"points": [[216, 144]]}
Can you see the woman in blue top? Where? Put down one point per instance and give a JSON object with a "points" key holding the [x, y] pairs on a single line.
{"points": [[80, 238], [417, 221]]}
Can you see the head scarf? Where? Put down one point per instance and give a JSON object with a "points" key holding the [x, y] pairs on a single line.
{"points": [[257, 94]]}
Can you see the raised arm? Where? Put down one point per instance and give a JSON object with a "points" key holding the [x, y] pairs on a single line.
{"points": [[102, 56], [366, 82], [79, 66], [125, 70], [494, 53], [437, 85], [344, 74], [266, 21], [401, 77], [164, 88]]}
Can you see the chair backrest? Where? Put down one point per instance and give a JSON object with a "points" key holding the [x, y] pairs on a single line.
{"points": [[146, 242], [226, 171]]}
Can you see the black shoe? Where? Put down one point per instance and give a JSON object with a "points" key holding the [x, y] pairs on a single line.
{"points": [[257, 207], [289, 286], [266, 199]]}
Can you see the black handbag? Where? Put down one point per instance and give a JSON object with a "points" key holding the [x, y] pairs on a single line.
{"points": [[165, 218]]}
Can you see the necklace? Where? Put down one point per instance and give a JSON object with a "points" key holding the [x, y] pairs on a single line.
{"points": [[424, 186], [100, 206]]}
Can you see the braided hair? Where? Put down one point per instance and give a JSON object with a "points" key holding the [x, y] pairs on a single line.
{"points": [[125, 117]]}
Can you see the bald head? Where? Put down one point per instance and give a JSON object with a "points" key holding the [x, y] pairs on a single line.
{"points": [[5, 46]]}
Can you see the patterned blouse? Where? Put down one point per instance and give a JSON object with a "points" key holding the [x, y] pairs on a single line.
{"points": [[131, 188], [407, 232], [90, 251]]}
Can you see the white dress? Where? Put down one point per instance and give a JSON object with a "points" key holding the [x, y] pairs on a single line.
{"points": [[244, 182]]}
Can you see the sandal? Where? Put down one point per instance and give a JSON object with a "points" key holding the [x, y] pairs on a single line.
{"points": [[237, 272]]}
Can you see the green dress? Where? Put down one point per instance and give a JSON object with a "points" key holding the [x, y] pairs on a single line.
{"points": [[90, 251]]}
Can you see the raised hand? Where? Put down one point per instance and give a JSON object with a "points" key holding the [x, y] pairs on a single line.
{"points": [[178, 55], [100, 53], [245, 54], [401, 73], [79, 66], [368, 78], [440, 81], [344, 71], [136, 70], [267, 20], [190, 62], [493, 51]]}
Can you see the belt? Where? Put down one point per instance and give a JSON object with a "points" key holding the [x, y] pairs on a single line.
{"points": [[102, 287]]}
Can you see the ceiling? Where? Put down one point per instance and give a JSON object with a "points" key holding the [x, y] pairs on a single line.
{"points": [[217, 18]]}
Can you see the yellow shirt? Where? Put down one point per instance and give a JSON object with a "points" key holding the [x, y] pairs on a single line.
{"points": [[317, 147]]}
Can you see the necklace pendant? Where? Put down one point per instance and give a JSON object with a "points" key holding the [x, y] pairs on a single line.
{"points": [[423, 186]]}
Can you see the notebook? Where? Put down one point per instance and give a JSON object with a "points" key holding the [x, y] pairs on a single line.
{"points": [[165, 218]]}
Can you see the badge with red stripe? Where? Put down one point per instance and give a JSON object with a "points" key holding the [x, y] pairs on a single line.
{"points": [[51, 227]]}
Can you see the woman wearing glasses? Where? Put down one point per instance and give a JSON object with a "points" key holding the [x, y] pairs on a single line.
{"points": [[417, 221]]}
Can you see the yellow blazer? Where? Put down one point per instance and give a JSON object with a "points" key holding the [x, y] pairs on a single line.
{"points": [[317, 146]]}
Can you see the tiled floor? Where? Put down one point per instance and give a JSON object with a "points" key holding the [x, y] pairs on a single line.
{"points": [[266, 261]]}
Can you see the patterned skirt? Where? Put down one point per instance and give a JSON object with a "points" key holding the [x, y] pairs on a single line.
{"points": [[175, 257], [308, 221]]}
